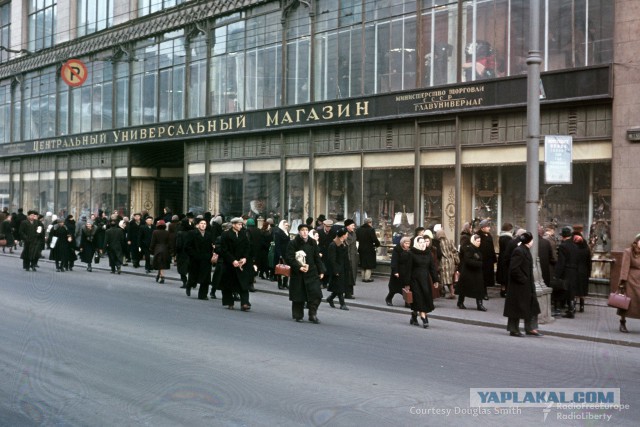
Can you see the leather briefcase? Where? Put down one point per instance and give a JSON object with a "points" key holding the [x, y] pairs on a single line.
{"points": [[407, 295], [283, 270]]}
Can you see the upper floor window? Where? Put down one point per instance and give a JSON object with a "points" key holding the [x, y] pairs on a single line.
{"points": [[94, 15], [5, 29], [42, 24], [146, 7]]}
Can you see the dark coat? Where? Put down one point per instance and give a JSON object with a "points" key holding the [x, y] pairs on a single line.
{"points": [[471, 283], [281, 240], [234, 247], [401, 265], [199, 248], [262, 257], [62, 252], [182, 240], [567, 267], [583, 268], [144, 237], [521, 301], [33, 236], [423, 273], [488, 258], [547, 260], [502, 271], [7, 231], [304, 286], [87, 246], [368, 242], [338, 259], [161, 248], [133, 234], [255, 239], [114, 244]]}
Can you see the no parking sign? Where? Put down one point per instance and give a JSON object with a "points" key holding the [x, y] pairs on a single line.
{"points": [[74, 72]]}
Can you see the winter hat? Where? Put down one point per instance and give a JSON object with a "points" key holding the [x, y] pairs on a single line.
{"points": [[485, 223], [327, 222], [341, 232], [348, 222], [566, 232], [237, 220], [251, 222], [525, 237], [301, 226]]}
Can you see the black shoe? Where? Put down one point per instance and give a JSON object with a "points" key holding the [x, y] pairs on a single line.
{"points": [[119, 270], [503, 294], [461, 306], [425, 322], [33, 269], [204, 298], [188, 290], [330, 302], [89, 269], [516, 334], [161, 279], [113, 272], [344, 307], [535, 333], [481, 307], [314, 319], [414, 319], [388, 301], [157, 277]]}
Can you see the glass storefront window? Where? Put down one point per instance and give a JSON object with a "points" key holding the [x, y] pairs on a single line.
{"points": [[80, 202], [63, 195], [195, 194], [296, 199], [339, 194], [122, 196], [440, 38], [101, 191], [262, 194]]}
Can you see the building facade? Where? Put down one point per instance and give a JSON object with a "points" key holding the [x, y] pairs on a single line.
{"points": [[412, 112]]}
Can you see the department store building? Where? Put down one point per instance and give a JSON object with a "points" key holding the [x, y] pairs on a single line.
{"points": [[412, 112]]}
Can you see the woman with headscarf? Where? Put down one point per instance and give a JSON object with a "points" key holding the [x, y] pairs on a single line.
{"points": [[281, 240], [423, 273], [448, 263], [161, 249], [87, 246], [630, 282], [400, 269], [521, 301], [471, 283], [7, 231], [338, 259]]}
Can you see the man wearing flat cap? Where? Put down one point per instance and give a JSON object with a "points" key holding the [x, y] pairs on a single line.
{"points": [[307, 269], [32, 232], [238, 273], [488, 251], [368, 242]]}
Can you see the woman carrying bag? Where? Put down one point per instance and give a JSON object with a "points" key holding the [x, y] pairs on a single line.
{"points": [[630, 283]]}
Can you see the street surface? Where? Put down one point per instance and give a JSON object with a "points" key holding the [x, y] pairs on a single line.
{"points": [[96, 349]]}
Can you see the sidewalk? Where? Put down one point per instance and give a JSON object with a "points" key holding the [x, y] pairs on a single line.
{"points": [[598, 323]]}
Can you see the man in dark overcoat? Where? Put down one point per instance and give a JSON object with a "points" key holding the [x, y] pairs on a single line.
{"points": [[488, 255], [145, 234], [326, 234], [114, 244], [199, 248], [133, 239], [32, 233], [238, 272], [368, 242], [566, 269], [521, 301], [305, 281]]}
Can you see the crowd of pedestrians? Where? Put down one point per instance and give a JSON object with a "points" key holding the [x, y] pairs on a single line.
{"points": [[213, 255]]}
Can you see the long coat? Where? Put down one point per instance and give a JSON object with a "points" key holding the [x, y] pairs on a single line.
{"points": [[567, 267], [583, 268], [401, 265], [199, 248], [63, 250], [368, 242], [235, 247], [281, 240], [488, 258], [304, 286], [423, 268], [471, 283], [182, 240], [87, 246], [352, 248], [161, 248], [630, 272], [521, 301], [547, 260], [7, 230], [33, 236], [448, 262], [338, 259], [114, 244], [502, 271]]}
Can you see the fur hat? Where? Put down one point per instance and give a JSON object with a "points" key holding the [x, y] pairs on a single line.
{"points": [[566, 232], [348, 222]]}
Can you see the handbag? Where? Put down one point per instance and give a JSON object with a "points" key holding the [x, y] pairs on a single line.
{"points": [[407, 295], [96, 259], [3, 242], [283, 270], [214, 258], [558, 284], [618, 300]]}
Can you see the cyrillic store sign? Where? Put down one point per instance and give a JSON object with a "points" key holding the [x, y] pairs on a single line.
{"points": [[558, 156]]}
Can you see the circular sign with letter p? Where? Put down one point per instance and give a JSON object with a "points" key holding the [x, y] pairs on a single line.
{"points": [[74, 72]]}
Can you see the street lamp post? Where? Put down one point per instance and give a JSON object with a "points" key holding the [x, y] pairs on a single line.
{"points": [[534, 59]]}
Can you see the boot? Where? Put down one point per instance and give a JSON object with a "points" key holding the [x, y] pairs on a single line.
{"points": [[461, 303], [425, 322], [570, 310], [330, 300], [581, 305], [480, 306], [623, 326], [414, 318]]}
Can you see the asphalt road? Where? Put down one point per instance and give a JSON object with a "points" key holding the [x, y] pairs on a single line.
{"points": [[95, 349]]}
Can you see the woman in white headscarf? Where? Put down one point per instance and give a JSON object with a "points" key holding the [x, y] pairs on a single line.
{"points": [[423, 268]]}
